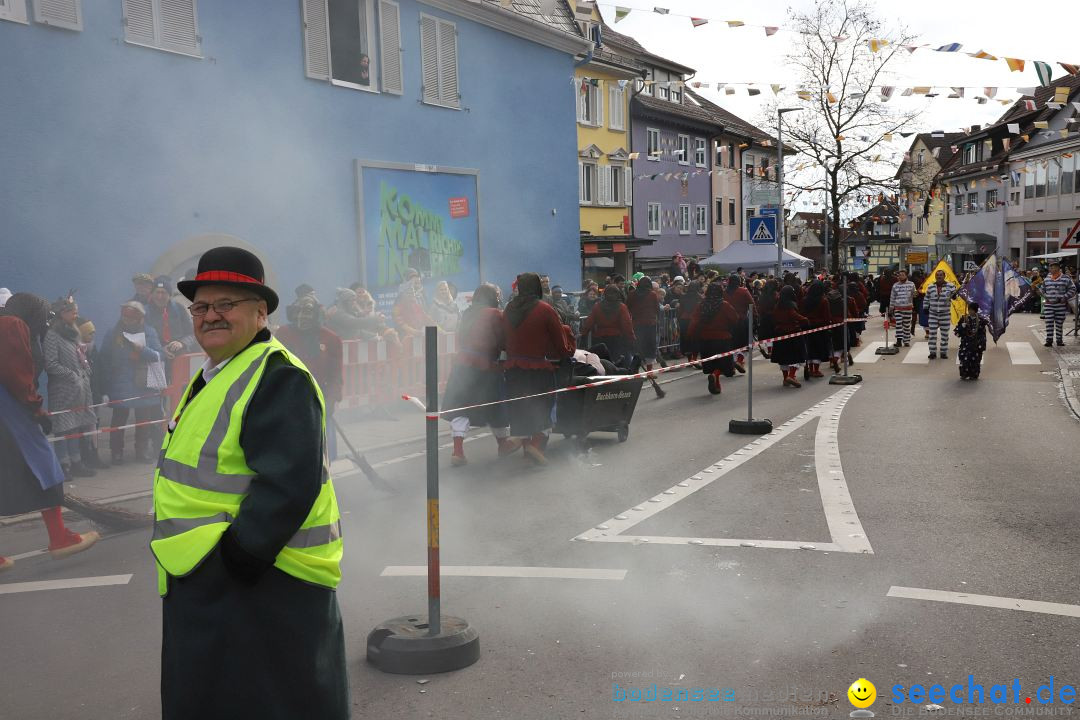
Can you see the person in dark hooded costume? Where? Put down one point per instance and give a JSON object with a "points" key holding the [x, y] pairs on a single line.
{"points": [[609, 323], [711, 329], [535, 341], [815, 307]]}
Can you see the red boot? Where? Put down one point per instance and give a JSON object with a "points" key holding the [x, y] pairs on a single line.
{"points": [[63, 542], [789, 378], [534, 448], [507, 445], [457, 458], [714, 382], [6, 563], [815, 371]]}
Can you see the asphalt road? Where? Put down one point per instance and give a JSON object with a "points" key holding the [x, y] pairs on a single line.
{"points": [[772, 569]]}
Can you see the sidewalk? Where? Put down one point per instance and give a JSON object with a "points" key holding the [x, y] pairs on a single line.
{"points": [[367, 433]]}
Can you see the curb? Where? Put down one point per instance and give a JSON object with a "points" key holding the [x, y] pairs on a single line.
{"points": [[1067, 385]]}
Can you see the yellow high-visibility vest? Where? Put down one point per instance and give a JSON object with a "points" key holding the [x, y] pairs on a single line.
{"points": [[202, 477]]}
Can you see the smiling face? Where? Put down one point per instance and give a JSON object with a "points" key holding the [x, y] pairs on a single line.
{"points": [[862, 693], [223, 336]]}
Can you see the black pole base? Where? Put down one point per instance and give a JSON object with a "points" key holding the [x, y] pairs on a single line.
{"points": [[845, 379], [750, 427], [402, 646], [887, 350]]}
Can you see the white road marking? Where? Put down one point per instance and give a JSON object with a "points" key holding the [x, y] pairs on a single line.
{"points": [[1004, 603], [844, 525], [1021, 353], [505, 571], [23, 556], [919, 354], [69, 583], [869, 353]]}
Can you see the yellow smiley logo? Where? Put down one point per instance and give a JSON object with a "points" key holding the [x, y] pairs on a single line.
{"points": [[862, 693]]}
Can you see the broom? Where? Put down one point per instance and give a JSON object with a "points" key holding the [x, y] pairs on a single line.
{"points": [[107, 515], [361, 462]]}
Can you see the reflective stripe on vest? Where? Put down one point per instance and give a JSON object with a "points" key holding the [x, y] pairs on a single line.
{"points": [[201, 481]]}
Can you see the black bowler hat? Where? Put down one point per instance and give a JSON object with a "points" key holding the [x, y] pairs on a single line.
{"points": [[231, 266]]}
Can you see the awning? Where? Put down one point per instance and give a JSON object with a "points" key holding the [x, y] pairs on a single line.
{"points": [[1054, 255], [754, 257]]}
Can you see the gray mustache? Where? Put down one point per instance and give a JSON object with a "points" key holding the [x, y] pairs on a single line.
{"points": [[216, 326]]}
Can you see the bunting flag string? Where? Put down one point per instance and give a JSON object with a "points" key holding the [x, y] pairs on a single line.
{"points": [[875, 44]]}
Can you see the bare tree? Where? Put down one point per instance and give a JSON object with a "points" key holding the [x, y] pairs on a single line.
{"points": [[842, 52]]}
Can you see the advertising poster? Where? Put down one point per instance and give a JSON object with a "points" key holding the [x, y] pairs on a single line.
{"points": [[424, 219]]}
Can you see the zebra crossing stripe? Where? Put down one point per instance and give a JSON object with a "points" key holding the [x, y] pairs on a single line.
{"points": [[918, 355]]}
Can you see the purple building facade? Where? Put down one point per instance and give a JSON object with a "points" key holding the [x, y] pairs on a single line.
{"points": [[673, 203]]}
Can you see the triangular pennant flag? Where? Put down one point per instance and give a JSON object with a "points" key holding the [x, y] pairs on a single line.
{"points": [[958, 92], [735, 23], [729, 91], [1027, 90], [776, 89], [752, 92], [982, 55], [981, 100], [907, 92], [803, 94], [1025, 138], [769, 31], [1006, 143], [990, 92], [1015, 64], [1076, 106], [1014, 128], [1044, 71], [951, 47], [831, 98], [621, 12], [876, 45], [660, 11], [1055, 105], [911, 48], [888, 137], [1029, 104], [698, 22], [1042, 124], [839, 38], [1063, 132], [886, 92], [1071, 69], [922, 90]]}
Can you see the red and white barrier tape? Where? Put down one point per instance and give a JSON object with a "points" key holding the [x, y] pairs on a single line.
{"points": [[106, 404], [608, 379], [105, 430]]}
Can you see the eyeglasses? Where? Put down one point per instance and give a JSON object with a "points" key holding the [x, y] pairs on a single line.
{"points": [[221, 307]]}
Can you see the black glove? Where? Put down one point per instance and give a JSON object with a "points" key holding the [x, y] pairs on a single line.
{"points": [[45, 422]]}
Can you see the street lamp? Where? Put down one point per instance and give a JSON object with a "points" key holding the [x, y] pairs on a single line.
{"points": [[780, 185]]}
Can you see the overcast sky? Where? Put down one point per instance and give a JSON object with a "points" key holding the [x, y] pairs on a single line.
{"points": [[1048, 31]]}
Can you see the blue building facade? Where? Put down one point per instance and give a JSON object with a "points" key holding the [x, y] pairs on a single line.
{"points": [[341, 140]]}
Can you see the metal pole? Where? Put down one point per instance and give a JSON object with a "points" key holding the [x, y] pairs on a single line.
{"points": [[431, 362], [828, 268], [750, 364], [780, 194], [844, 281]]}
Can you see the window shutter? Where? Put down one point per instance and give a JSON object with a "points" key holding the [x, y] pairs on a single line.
{"points": [[390, 46], [580, 104], [604, 173], [316, 40], [599, 122], [59, 13], [628, 179], [139, 22], [179, 26], [429, 58], [448, 70], [13, 10]]}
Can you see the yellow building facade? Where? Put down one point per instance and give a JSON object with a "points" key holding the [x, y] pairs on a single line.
{"points": [[604, 83]]}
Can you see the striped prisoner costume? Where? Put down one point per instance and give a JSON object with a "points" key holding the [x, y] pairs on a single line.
{"points": [[902, 301], [1056, 292], [938, 303]]}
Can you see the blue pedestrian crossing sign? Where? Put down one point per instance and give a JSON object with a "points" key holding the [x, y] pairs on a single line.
{"points": [[762, 230]]}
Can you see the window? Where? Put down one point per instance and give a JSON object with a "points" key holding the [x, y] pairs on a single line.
{"points": [[590, 107], [749, 167], [1014, 198], [613, 190], [991, 200], [588, 184], [731, 163], [1053, 176], [684, 149], [662, 90], [654, 144], [920, 159], [1040, 181], [676, 93], [969, 153], [920, 224], [684, 219], [439, 62], [702, 218], [699, 152], [1067, 174], [973, 202], [731, 212], [617, 107], [958, 204], [654, 218], [719, 155], [340, 39], [170, 25], [56, 13], [1029, 184], [13, 10], [718, 211]]}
